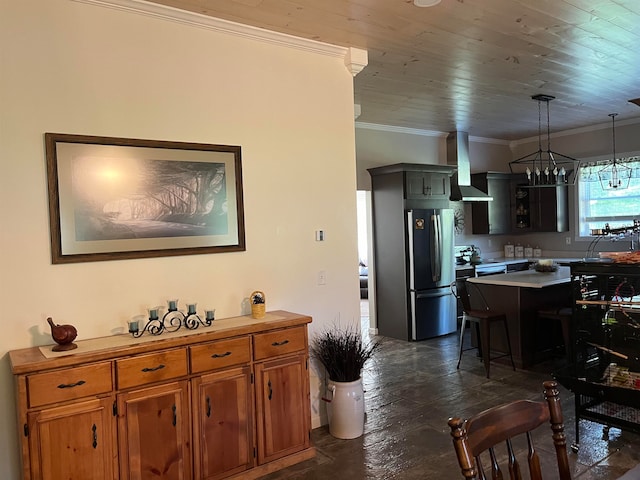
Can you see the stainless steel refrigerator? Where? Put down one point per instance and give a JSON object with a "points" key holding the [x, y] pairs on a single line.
{"points": [[431, 270], [414, 267]]}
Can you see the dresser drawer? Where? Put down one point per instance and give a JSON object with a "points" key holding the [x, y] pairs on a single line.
{"points": [[69, 384], [155, 367], [220, 354], [280, 342]]}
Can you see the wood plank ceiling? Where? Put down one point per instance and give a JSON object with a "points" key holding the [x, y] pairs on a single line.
{"points": [[470, 65]]}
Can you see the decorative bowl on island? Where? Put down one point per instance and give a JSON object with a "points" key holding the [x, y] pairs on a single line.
{"points": [[545, 266]]}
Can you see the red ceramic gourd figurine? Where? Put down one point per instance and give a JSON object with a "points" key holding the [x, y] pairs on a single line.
{"points": [[63, 335]]}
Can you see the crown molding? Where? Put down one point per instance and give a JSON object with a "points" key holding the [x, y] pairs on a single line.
{"points": [[394, 129], [576, 131], [355, 59], [425, 133]]}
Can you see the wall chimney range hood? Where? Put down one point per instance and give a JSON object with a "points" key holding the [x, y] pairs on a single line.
{"points": [[458, 156]]}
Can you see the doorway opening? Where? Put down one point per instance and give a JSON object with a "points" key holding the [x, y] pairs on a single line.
{"points": [[365, 258]]}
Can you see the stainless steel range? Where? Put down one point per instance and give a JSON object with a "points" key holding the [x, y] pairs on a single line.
{"points": [[468, 256], [489, 268]]}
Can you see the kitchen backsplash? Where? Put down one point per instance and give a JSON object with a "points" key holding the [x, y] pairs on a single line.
{"points": [[555, 245]]}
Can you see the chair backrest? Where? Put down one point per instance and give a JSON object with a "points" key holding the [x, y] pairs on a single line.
{"points": [[461, 291], [476, 438]]}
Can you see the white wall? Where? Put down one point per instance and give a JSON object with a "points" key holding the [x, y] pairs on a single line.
{"points": [[378, 145], [71, 67]]}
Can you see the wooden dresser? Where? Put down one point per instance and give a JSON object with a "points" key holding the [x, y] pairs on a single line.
{"points": [[227, 401]]}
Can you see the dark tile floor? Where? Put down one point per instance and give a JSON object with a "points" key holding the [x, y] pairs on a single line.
{"points": [[412, 389]]}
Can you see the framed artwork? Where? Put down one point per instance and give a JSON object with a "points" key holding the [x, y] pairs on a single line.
{"points": [[121, 198]]}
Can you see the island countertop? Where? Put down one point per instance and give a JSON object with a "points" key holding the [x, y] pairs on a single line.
{"points": [[526, 278]]}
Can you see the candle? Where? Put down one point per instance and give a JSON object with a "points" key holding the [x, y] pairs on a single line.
{"points": [[210, 314], [133, 326], [191, 308], [547, 262], [173, 305], [153, 313]]}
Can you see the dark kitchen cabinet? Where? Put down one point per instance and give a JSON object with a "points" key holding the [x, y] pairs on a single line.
{"points": [[518, 266], [543, 209], [428, 185], [412, 185], [493, 217], [553, 209], [522, 208], [397, 190], [516, 208]]}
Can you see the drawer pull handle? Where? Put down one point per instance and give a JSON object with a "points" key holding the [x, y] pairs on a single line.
{"points": [[95, 436], [175, 419], [279, 344], [270, 390], [220, 355], [71, 385], [153, 369], [208, 407]]}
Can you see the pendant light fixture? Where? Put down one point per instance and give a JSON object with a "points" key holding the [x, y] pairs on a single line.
{"points": [[546, 168], [614, 175]]}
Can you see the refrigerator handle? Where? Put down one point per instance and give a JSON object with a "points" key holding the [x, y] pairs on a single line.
{"points": [[436, 250]]}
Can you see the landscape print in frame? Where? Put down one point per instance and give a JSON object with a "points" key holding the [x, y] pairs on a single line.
{"points": [[120, 198]]}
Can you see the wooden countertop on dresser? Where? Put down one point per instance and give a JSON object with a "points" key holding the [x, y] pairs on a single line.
{"points": [[31, 359]]}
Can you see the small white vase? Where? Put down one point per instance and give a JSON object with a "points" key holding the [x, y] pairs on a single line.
{"points": [[346, 409]]}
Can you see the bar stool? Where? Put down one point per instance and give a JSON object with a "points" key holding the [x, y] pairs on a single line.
{"points": [[482, 320], [563, 315]]}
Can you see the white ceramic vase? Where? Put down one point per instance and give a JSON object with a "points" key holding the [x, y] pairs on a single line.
{"points": [[346, 409]]}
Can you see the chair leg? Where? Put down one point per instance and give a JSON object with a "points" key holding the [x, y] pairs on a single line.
{"points": [[478, 338], [485, 342], [462, 326]]}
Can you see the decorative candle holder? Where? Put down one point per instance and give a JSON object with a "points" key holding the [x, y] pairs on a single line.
{"points": [[171, 321], [134, 324]]}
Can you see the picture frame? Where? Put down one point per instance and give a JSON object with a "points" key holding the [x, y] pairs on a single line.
{"points": [[120, 198]]}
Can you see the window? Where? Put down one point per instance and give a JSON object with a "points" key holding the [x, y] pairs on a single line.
{"points": [[597, 206]]}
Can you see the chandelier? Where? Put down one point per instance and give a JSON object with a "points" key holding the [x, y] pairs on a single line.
{"points": [[546, 168], [614, 175]]}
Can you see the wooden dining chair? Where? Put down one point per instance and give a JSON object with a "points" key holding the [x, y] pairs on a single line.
{"points": [[482, 433]]}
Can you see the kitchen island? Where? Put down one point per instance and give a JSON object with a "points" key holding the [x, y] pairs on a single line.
{"points": [[520, 295]]}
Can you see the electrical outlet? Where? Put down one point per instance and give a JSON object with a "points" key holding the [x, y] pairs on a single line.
{"points": [[568, 240], [322, 277]]}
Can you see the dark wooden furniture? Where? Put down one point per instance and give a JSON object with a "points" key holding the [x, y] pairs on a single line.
{"points": [[479, 435], [520, 295], [412, 185], [230, 401], [563, 316], [516, 208], [544, 209], [395, 189], [483, 319], [494, 217], [604, 374]]}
